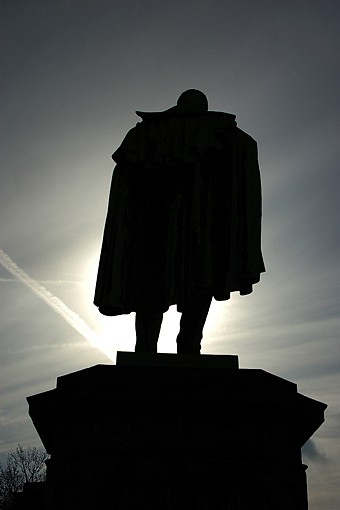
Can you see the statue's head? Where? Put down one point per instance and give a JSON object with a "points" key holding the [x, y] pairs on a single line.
{"points": [[192, 100]]}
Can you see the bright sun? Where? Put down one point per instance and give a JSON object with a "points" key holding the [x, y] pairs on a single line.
{"points": [[118, 333]]}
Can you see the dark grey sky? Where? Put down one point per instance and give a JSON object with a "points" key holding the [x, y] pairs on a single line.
{"points": [[73, 73]]}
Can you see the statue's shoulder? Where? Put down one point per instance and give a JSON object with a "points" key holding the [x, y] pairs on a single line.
{"points": [[244, 137]]}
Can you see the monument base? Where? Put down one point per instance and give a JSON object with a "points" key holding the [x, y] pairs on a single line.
{"points": [[170, 432]]}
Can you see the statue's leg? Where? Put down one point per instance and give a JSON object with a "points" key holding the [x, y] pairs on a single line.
{"points": [[148, 326], [192, 322]]}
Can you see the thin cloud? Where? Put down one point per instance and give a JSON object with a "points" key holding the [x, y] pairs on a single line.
{"points": [[55, 303], [47, 282], [311, 452]]}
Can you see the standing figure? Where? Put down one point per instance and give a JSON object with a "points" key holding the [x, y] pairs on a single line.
{"points": [[184, 220]]}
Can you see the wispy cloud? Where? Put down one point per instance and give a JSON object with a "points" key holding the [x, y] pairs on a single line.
{"points": [[312, 452], [54, 302], [47, 282]]}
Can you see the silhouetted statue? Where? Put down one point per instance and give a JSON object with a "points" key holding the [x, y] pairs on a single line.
{"points": [[183, 222]]}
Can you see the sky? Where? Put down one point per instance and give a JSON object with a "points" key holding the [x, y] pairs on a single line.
{"points": [[73, 74]]}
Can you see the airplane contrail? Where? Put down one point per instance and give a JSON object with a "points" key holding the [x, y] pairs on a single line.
{"points": [[55, 303]]}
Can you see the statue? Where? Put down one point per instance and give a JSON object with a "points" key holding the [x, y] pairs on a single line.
{"points": [[184, 220]]}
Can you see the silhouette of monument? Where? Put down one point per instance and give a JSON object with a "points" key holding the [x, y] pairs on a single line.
{"points": [[175, 431], [183, 431], [183, 223]]}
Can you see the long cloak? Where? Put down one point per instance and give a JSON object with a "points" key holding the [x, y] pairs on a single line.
{"points": [[184, 215]]}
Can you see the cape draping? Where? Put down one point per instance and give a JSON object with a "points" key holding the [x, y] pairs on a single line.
{"points": [[184, 216]]}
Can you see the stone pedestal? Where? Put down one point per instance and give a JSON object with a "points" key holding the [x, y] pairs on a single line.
{"points": [[175, 432]]}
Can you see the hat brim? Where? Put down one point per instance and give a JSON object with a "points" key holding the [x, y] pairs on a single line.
{"points": [[171, 111]]}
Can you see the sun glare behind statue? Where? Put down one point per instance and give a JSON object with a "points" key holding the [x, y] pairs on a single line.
{"points": [[171, 326], [118, 333], [169, 331], [111, 332]]}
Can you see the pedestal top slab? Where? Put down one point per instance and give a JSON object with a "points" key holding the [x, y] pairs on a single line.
{"points": [[134, 359]]}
